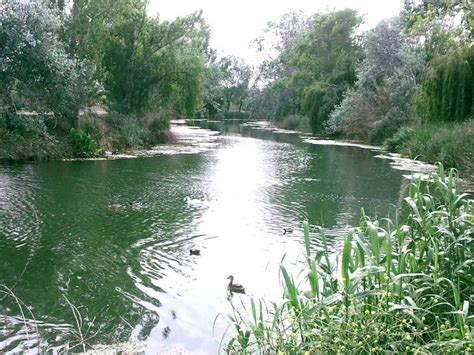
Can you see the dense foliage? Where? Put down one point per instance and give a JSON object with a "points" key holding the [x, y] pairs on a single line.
{"points": [[380, 103], [315, 64], [57, 58], [36, 72], [400, 286], [410, 70], [447, 93]]}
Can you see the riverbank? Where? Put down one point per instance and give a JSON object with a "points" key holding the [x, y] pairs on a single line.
{"points": [[35, 138], [209, 191], [397, 286], [451, 144]]}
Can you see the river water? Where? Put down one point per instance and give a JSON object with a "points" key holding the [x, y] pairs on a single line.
{"points": [[125, 277]]}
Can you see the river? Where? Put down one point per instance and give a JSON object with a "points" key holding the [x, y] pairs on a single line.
{"points": [[125, 276]]}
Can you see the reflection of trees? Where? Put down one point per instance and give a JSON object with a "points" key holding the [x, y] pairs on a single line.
{"points": [[349, 179], [86, 250]]}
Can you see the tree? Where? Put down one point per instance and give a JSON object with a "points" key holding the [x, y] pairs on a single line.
{"points": [[311, 63], [36, 72], [447, 29], [447, 93], [235, 80], [151, 64], [324, 63], [381, 102], [441, 25], [280, 38]]}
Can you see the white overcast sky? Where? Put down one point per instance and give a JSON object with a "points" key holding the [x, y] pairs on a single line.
{"points": [[235, 23]]}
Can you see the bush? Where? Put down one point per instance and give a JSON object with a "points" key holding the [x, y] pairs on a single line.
{"points": [[82, 143], [23, 125], [403, 288], [450, 144], [132, 132], [400, 138], [296, 123], [93, 126], [159, 124], [14, 147]]}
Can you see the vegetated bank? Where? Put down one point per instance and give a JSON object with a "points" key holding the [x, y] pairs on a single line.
{"points": [[26, 138], [403, 285], [56, 61], [407, 83]]}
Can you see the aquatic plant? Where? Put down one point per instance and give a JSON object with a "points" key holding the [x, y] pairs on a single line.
{"points": [[402, 286]]}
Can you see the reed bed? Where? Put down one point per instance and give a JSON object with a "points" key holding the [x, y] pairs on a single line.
{"points": [[398, 286]]}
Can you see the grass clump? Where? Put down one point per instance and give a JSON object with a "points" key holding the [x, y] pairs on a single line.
{"points": [[131, 132], [451, 144], [295, 123], [405, 287]]}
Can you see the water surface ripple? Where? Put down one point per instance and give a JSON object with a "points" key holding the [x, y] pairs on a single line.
{"points": [[129, 273]]}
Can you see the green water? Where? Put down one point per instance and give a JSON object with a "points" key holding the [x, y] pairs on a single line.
{"points": [[129, 271]]}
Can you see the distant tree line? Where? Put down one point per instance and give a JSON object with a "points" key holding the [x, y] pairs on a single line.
{"points": [[415, 67], [60, 56], [320, 71]]}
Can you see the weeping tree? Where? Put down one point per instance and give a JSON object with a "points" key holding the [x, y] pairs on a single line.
{"points": [[447, 93], [324, 63]]}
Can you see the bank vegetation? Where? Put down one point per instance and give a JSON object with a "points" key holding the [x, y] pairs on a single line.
{"points": [[402, 285]]}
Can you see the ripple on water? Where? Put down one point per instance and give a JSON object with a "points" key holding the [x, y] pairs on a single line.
{"points": [[130, 269], [27, 336]]}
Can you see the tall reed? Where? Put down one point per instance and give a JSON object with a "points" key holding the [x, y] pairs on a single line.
{"points": [[404, 287]]}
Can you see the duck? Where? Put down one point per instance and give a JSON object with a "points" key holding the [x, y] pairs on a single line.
{"points": [[135, 204], [287, 230], [234, 288], [166, 332], [114, 206]]}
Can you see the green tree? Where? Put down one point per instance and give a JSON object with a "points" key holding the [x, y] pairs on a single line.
{"points": [[446, 29], [150, 64], [324, 62], [35, 71], [447, 92], [441, 25], [278, 98], [311, 63], [381, 102], [235, 80]]}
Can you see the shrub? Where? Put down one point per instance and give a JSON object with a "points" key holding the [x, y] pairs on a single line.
{"points": [[93, 126], [450, 144], [400, 138], [402, 288], [82, 143], [295, 122], [159, 124], [23, 125]]}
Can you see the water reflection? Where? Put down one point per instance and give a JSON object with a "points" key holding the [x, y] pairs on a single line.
{"points": [[130, 273]]}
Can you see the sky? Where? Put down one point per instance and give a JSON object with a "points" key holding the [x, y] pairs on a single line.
{"points": [[234, 24]]}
